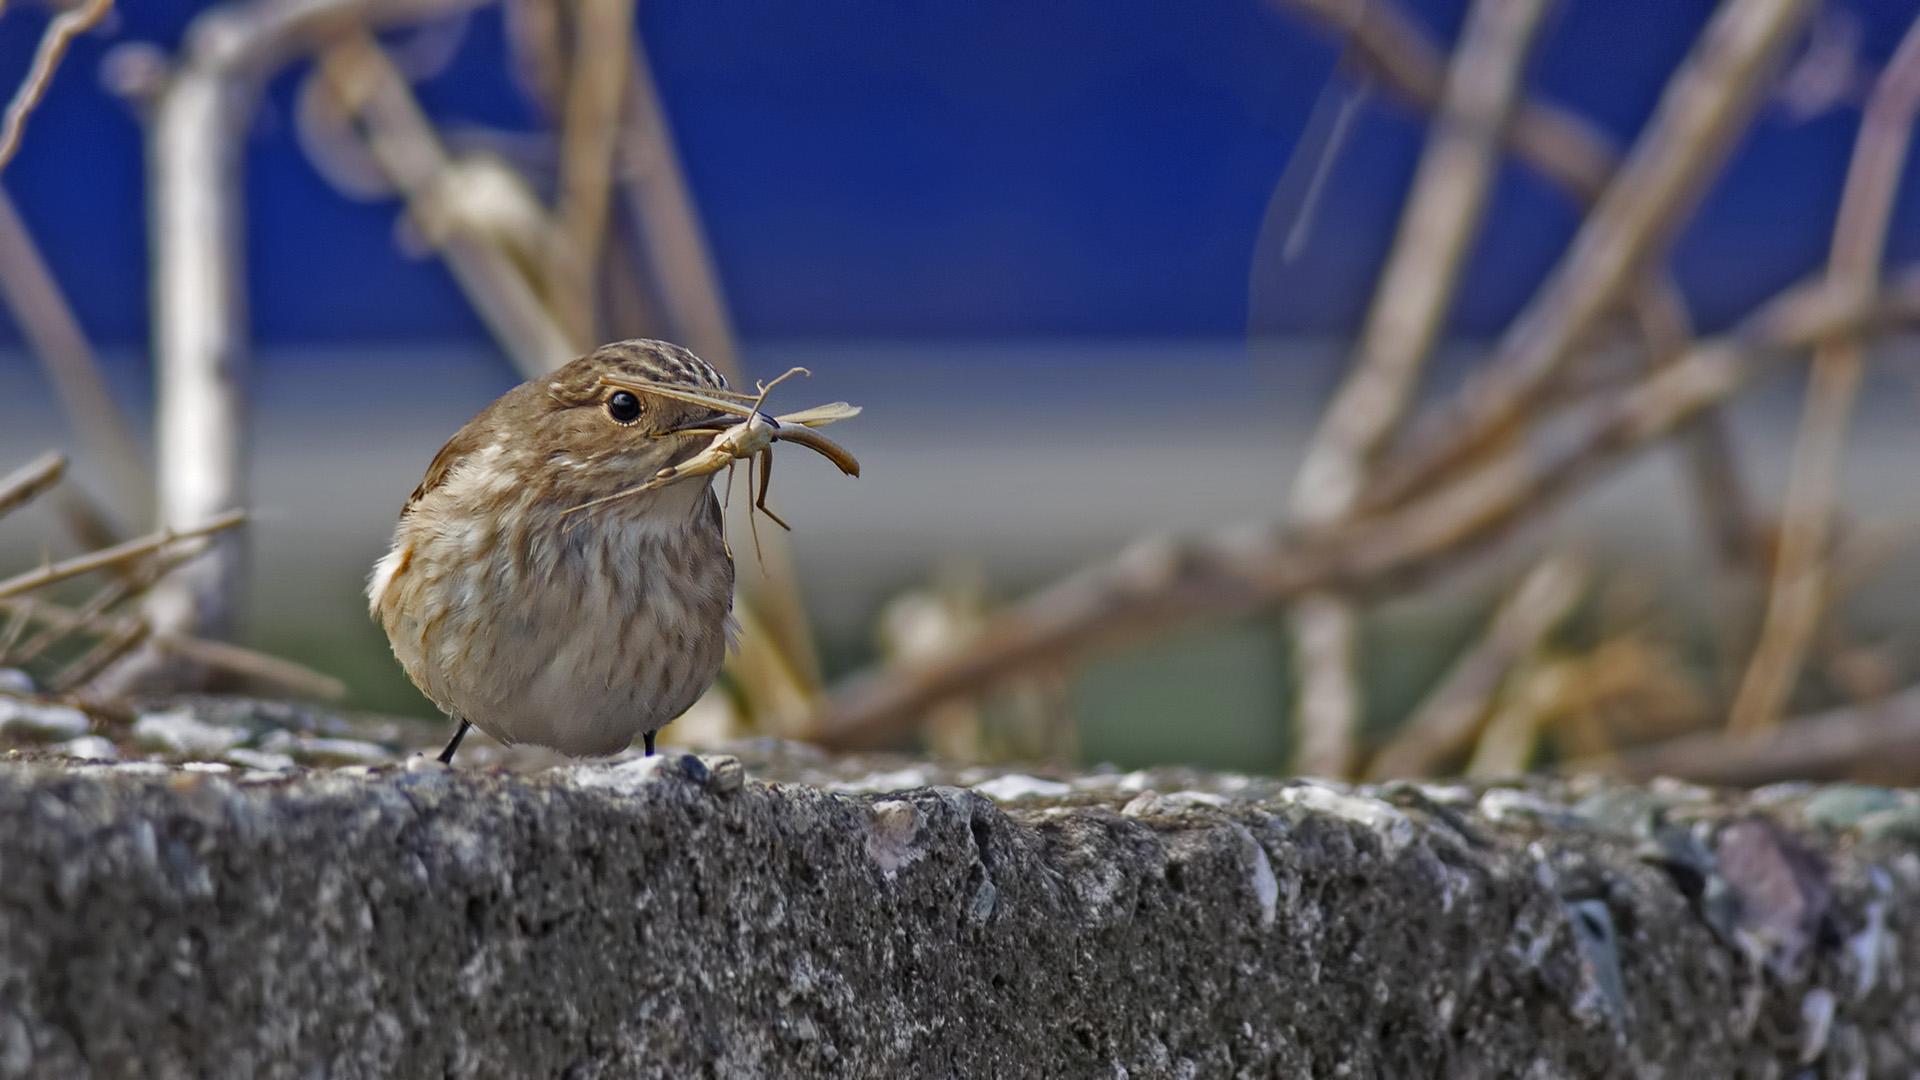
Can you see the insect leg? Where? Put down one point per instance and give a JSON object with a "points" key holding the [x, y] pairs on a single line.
{"points": [[766, 477], [752, 526]]}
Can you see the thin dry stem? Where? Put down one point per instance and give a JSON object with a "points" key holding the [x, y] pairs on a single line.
{"points": [[1705, 107], [1548, 692], [1417, 286], [284, 674], [97, 560], [1409, 308], [1506, 745], [1448, 720], [21, 485], [104, 653], [61, 31], [1859, 240]]}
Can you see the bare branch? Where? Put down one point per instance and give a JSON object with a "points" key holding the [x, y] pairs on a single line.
{"points": [[1159, 583], [1705, 107], [22, 484], [195, 142], [1410, 305], [1553, 141], [1881, 739], [1565, 149], [1859, 240], [1445, 723], [603, 46], [479, 213], [61, 31], [285, 674], [96, 560]]}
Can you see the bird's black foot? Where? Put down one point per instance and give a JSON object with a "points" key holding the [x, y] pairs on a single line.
{"points": [[649, 741], [446, 756]]}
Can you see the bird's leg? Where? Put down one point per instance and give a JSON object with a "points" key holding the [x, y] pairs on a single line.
{"points": [[446, 756], [648, 736]]}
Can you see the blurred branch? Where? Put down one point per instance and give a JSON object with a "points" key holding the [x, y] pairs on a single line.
{"points": [[1548, 691], [603, 46], [533, 39], [119, 553], [47, 320], [22, 484], [1704, 108], [477, 212], [1417, 286], [1718, 487], [1410, 305], [1555, 142], [1567, 150], [61, 31], [1882, 738], [1800, 575], [1159, 583], [1446, 722]]}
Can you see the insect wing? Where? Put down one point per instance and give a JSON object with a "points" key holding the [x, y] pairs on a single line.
{"points": [[820, 415]]}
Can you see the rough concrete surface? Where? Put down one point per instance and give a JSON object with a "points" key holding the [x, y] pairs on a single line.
{"points": [[665, 918]]}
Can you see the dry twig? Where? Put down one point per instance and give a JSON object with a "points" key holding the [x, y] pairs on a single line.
{"points": [[1447, 721], [97, 560], [1557, 143], [22, 484], [1410, 306], [1859, 240], [1548, 691], [195, 140], [285, 674], [602, 49], [1570, 152], [60, 33], [492, 231]]}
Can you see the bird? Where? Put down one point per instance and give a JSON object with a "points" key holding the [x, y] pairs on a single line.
{"points": [[561, 576]]}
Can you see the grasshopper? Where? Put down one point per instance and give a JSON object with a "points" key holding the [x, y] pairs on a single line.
{"points": [[750, 439]]}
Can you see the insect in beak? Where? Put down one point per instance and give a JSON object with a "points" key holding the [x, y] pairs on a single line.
{"points": [[749, 438]]}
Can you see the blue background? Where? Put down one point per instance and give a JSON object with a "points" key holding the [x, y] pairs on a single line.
{"points": [[985, 169]]}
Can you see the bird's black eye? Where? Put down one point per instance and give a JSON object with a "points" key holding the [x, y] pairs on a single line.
{"points": [[623, 407]]}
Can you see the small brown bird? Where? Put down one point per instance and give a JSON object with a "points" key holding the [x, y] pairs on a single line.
{"points": [[560, 577]]}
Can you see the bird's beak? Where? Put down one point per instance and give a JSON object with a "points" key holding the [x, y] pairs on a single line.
{"points": [[711, 424]]}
